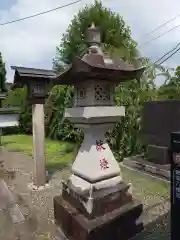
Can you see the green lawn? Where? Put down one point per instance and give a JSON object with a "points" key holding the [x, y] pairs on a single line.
{"points": [[146, 186], [58, 154]]}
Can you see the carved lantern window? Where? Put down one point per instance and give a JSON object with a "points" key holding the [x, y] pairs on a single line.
{"points": [[102, 92], [36, 89], [81, 93]]}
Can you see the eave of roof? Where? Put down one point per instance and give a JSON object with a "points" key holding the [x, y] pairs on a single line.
{"points": [[25, 75]]}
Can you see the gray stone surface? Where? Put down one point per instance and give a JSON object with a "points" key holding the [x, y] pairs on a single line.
{"points": [[7, 202], [158, 154], [141, 164], [5, 195], [16, 214], [36, 206]]}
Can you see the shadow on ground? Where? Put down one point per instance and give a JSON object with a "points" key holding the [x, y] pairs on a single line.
{"points": [[156, 230]]}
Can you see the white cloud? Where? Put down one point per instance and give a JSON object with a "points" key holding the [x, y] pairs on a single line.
{"points": [[33, 42]]}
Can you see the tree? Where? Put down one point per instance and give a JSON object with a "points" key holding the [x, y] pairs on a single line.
{"points": [[171, 89], [2, 75], [125, 137], [117, 40], [116, 37], [114, 33], [56, 128]]}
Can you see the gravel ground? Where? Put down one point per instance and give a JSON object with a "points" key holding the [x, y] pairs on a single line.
{"points": [[157, 230], [155, 196], [37, 206]]}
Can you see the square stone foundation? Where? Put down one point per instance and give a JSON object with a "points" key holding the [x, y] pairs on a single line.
{"points": [[115, 214], [143, 164], [158, 154]]}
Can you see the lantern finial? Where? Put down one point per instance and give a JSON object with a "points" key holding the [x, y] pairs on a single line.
{"points": [[93, 35], [93, 25]]}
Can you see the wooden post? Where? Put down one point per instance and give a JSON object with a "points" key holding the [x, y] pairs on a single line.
{"points": [[38, 144]]}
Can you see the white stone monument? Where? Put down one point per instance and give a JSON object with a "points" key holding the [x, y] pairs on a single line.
{"points": [[8, 115], [95, 187]]}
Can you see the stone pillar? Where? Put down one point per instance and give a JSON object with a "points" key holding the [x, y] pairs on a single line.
{"points": [[38, 143], [95, 165]]}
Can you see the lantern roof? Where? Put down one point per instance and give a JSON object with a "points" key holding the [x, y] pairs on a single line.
{"points": [[25, 75], [96, 65]]}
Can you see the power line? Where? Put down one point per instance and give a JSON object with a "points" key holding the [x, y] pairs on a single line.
{"points": [[41, 13], [72, 3], [167, 53], [156, 62], [172, 29], [162, 25], [169, 56]]}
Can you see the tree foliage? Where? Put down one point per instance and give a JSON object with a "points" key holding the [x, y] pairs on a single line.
{"points": [[56, 127], [114, 33], [117, 41], [171, 89], [125, 138]]}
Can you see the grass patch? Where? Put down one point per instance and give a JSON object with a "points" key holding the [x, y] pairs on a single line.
{"points": [[154, 194], [58, 154], [146, 188]]}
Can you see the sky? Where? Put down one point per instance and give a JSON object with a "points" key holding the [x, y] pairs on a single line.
{"points": [[32, 43]]}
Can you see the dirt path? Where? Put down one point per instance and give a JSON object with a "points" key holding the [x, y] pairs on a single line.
{"points": [[36, 206]]}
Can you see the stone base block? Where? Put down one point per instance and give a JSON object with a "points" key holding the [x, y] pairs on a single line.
{"points": [[100, 202], [118, 224]]}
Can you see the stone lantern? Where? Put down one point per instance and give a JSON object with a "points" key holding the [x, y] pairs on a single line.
{"points": [[95, 200], [37, 82]]}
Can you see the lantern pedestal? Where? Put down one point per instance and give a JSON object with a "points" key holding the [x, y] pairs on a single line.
{"points": [[120, 223], [95, 200], [95, 166]]}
